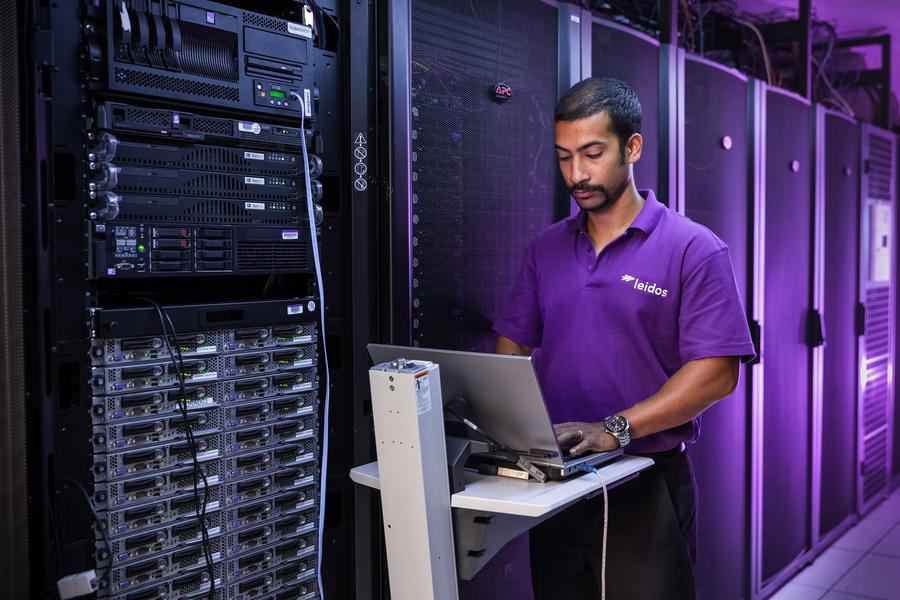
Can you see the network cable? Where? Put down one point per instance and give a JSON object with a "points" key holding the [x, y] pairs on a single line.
{"points": [[592, 469], [315, 250], [168, 328]]}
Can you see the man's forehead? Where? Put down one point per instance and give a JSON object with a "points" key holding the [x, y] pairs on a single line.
{"points": [[595, 126]]}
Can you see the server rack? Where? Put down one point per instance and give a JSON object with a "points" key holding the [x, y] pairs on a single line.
{"points": [[782, 299], [714, 171], [838, 177], [15, 539], [187, 155], [474, 177], [876, 319], [635, 58]]}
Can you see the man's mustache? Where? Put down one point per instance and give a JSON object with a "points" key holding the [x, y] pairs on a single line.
{"points": [[583, 187]]}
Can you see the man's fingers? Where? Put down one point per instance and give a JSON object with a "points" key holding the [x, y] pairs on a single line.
{"points": [[578, 449], [569, 436], [570, 427]]}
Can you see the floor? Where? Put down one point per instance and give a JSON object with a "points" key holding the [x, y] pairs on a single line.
{"points": [[863, 563]]}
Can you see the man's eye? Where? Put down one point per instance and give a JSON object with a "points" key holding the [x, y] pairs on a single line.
{"points": [[594, 156], [564, 158]]}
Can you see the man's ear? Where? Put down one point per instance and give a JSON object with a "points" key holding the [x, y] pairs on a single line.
{"points": [[633, 148]]}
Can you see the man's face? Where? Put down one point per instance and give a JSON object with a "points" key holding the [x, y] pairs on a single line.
{"points": [[591, 161]]}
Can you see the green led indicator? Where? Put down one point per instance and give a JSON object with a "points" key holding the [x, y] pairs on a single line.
{"points": [[141, 247]]}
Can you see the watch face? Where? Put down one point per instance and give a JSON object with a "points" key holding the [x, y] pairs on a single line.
{"points": [[616, 423]]}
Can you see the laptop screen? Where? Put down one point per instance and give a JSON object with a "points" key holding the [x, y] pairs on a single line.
{"points": [[501, 392]]}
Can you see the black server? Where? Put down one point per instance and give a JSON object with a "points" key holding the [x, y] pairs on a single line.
{"points": [[626, 54], [716, 194], [185, 151], [841, 229], [781, 399]]}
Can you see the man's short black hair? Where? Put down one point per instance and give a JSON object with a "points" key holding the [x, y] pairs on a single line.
{"points": [[603, 94]]}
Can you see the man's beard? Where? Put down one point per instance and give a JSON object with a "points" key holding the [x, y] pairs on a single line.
{"points": [[607, 198]]}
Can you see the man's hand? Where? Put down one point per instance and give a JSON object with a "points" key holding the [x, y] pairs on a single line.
{"points": [[585, 436]]}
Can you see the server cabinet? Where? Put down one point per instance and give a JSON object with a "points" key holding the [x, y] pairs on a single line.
{"points": [[837, 482], [14, 503], [633, 57], [876, 297], [781, 398], [895, 462], [482, 169], [474, 177], [175, 323], [716, 194]]}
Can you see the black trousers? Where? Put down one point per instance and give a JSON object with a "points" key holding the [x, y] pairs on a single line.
{"points": [[651, 543]]}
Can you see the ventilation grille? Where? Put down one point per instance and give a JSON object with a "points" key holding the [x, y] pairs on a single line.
{"points": [[210, 185], [204, 158], [128, 117], [156, 118], [877, 340], [874, 466], [876, 395], [209, 52], [275, 255], [221, 127], [264, 139], [220, 212], [177, 85], [265, 22], [879, 166]]}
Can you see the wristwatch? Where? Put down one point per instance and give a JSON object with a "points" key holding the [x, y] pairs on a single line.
{"points": [[618, 426]]}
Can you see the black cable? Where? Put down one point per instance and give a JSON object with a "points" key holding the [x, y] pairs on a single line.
{"points": [[103, 533], [334, 21], [168, 328]]}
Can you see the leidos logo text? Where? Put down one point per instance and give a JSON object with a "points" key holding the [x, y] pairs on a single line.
{"points": [[650, 288]]}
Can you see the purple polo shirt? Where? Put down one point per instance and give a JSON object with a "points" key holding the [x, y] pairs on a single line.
{"points": [[609, 330]]}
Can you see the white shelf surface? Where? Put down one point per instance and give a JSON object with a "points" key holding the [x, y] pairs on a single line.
{"points": [[505, 495]]}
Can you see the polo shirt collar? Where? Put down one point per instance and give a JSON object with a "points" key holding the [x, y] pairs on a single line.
{"points": [[645, 221]]}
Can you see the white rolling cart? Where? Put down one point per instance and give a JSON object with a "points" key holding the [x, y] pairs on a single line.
{"points": [[432, 536]]}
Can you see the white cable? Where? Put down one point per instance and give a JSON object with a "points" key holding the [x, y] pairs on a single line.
{"points": [[838, 99], [769, 72], [605, 529], [594, 470], [315, 249]]}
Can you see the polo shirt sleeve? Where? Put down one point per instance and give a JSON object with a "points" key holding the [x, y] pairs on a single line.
{"points": [[521, 320], [711, 319]]}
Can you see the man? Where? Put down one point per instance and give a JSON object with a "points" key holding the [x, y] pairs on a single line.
{"points": [[636, 327]]}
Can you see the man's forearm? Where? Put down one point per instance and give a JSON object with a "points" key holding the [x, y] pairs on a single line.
{"points": [[692, 389]]}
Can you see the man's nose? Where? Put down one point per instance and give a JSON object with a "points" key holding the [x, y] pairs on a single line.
{"points": [[579, 173]]}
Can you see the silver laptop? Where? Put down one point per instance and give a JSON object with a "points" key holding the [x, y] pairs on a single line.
{"points": [[502, 396]]}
